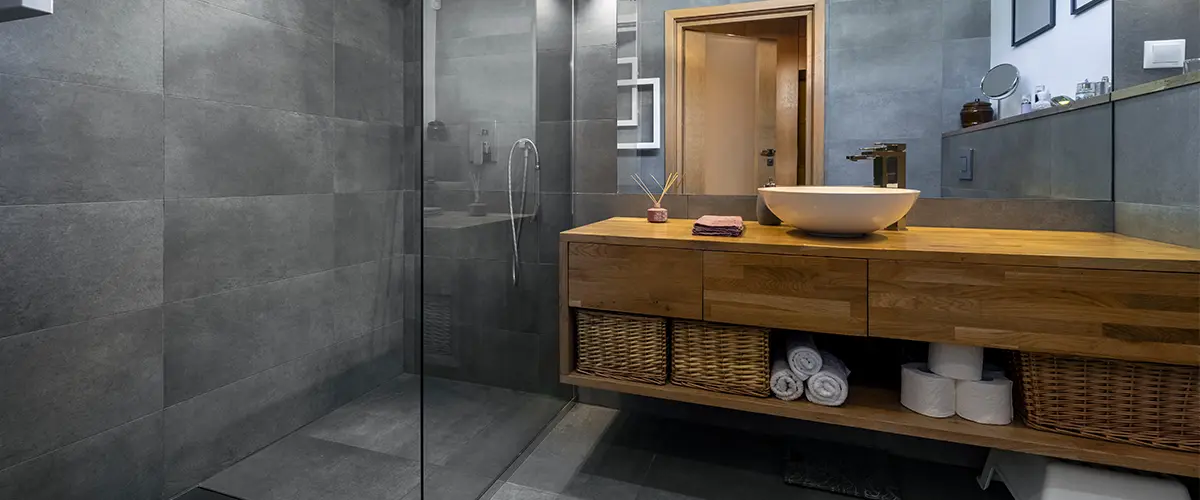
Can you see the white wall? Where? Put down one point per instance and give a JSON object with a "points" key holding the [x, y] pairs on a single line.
{"points": [[1077, 47]]}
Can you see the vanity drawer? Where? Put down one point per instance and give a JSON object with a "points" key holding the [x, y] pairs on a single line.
{"points": [[1134, 315], [815, 294], [640, 280]]}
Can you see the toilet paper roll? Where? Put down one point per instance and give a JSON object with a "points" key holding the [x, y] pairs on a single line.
{"points": [[959, 362], [987, 401], [926, 392]]}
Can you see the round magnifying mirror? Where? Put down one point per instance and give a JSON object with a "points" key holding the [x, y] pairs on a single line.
{"points": [[1000, 81]]}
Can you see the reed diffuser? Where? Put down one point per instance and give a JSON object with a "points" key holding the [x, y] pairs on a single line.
{"points": [[656, 213]]}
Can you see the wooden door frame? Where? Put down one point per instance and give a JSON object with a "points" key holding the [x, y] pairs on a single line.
{"points": [[813, 12]]}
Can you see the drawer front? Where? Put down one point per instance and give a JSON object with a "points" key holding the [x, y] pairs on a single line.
{"points": [[779, 291], [1143, 316], [640, 280]]}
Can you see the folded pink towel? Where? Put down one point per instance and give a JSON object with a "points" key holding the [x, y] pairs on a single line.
{"points": [[718, 225]]}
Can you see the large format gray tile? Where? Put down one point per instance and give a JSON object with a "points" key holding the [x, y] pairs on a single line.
{"points": [[964, 62], [385, 420], [554, 88], [368, 156], [363, 84], [1082, 154], [483, 19], [878, 115], [313, 16], [1039, 214], [511, 491], [860, 23], [216, 149], [217, 244], [701, 205], [898, 67], [209, 433], [595, 157], [595, 22], [65, 263], [123, 463], [67, 383], [115, 43], [966, 19], [62, 143], [364, 222], [218, 339], [445, 483], [496, 87], [365, 24], [1178, 225], [303, 468], [595, 83], [216, 54], [554, 22], [361, 293], [1157, 152]]}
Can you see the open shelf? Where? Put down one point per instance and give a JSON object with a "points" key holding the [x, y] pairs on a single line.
{"points": [[880, 410]]}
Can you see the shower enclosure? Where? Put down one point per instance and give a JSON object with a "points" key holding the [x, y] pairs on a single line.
{"points": [[495, 194]]}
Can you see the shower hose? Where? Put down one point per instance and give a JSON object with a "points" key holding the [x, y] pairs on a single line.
{"points": [[518, 224]]}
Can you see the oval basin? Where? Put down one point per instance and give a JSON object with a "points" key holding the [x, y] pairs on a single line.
{"points": [[839, 210]]}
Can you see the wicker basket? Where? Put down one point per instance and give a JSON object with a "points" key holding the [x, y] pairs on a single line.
{"points": [[1129, 402], [722, 358], [622, 346]]}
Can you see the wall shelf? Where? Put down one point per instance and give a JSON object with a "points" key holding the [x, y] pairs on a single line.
{"points": [[880, 410]]}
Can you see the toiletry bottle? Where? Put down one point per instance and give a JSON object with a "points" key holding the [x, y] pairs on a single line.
{"points": [[1041, 98], [1026, 105]]}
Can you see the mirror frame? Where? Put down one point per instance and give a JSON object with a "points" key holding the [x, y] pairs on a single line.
{"points": [[679, 19], [1049, 26]]}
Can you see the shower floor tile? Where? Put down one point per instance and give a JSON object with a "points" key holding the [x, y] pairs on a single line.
{"points": [[370, 449]]}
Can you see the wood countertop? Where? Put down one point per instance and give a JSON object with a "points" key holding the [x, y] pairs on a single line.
{"points": [[982, 246]]}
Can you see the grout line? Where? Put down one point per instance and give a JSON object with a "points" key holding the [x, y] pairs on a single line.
{"points": [[77, 441], [128, 90], [293, 29]]}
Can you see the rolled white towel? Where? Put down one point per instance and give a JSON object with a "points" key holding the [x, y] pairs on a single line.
{"points": [[784, 382], [831, 385], [803, 356]]}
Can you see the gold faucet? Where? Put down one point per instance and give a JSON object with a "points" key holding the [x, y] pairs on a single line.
{"points": [[890, 170]]}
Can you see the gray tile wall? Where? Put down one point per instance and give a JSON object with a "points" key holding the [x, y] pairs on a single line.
{"points": [[1061, 156], [1156, 162], [1136, 21], [202, 232], [900, 71]]}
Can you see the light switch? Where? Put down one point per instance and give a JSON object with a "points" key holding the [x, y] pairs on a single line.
{"points": [[1163, 54], [966, 169]]}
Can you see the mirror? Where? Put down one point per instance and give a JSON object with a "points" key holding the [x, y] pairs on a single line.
{"points": [[1000, 81], [915, 96], [1031, 18]]}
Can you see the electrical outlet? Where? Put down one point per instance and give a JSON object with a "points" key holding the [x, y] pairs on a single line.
{"points": [[1163, 54]]}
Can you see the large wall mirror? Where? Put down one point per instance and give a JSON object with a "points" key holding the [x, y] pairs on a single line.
{"points": [[729, 103]]}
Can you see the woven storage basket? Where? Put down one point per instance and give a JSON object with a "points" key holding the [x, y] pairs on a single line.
{"points": [[1147, 404], [622, 346], [722, 358]]}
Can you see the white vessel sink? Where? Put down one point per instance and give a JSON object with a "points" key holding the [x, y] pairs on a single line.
{"points": [[839, 210]]}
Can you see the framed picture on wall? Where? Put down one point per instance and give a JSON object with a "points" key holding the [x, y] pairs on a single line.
{"points": [[1031, 18], [1079, 6]]}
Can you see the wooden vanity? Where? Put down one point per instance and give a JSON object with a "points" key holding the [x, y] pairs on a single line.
{"points": [[1098, 295]]}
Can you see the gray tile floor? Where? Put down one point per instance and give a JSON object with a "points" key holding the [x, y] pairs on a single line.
{"points": [[595, 453], [370, 449]]}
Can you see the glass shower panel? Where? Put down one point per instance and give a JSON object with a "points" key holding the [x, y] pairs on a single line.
{"points": [[488, 294]]}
